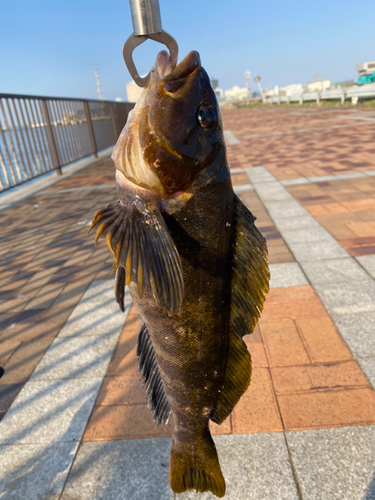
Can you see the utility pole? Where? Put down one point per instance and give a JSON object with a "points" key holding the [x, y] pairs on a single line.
{"points": [[247, 79], [98, 85]]}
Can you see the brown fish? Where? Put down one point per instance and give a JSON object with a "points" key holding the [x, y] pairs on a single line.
{"points": [[195, 263]]}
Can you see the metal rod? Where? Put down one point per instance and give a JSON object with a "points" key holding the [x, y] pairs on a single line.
{"points": [[7, 129], [29, 134], [41, 131], [22, 160], [90, 128], [55, 158], [57, 132], [115, 134], [23, 152], [84, 135], [146, 17], [73, 129], [3, 171], [68, 143]]}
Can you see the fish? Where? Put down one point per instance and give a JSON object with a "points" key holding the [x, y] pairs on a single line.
{"points": [[194, 261]]}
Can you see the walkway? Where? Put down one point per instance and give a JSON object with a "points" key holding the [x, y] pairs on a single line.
{"points": [[75, 424]]}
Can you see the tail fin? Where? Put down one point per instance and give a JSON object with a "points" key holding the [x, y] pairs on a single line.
{"points": [[196, 466]]}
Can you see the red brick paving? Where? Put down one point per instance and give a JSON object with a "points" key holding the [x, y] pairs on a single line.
{"points": [[303, 374], [46, 264], [299, 142], [301, 368], [346, 208]]}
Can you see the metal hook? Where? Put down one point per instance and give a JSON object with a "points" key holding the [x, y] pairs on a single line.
{"points": [[134, 40], [146, 21]]}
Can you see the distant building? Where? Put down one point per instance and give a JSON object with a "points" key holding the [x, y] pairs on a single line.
{"points": [[293, 89], [269, 93], [366, 72], [214, 83], [366, 68], [133, 91], [236, 94], [318, 83], [343, 84], [218, 91]]}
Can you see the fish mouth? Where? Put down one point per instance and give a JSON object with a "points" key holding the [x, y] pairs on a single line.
{"points": [[173, 79]]}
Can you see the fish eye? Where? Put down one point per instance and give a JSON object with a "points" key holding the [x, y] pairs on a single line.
{"points": [[207, 117]]}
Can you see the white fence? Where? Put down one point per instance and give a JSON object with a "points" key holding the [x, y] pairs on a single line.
{"points": [[367, 91]]}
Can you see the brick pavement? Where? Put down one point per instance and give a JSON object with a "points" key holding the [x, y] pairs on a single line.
{"points": [[310, 377]]}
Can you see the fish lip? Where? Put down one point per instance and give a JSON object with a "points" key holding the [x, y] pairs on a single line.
{"points": [[163, 64], [187, 67]]}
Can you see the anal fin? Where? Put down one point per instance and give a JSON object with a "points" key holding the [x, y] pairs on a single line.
{"points": [[149, 369], [249, 286]]}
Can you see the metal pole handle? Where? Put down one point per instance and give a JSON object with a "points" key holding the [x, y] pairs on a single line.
{"points": [[146, 17]]}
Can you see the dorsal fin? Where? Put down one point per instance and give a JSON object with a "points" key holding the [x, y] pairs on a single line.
{"points": [[148, 366], [249, 286], [141, 245]]}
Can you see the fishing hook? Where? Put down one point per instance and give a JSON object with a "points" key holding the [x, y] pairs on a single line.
{"points": [[146, 24]]}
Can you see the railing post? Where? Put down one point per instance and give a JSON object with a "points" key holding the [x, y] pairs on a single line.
{"points": [[90, 128], [115, 133], [51, 139], [343, 97]]}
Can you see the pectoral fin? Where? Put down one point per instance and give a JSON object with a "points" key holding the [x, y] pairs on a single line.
{"points": [[249, 286], [141, 245]]}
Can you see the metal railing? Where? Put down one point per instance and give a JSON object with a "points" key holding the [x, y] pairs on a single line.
{"points": [[40, 134], [364, 92]]}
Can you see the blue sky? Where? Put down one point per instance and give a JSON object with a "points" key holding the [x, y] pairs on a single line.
{"points": [[51, 48]]}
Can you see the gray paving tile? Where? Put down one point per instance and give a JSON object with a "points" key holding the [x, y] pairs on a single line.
{"points": [[94, 320], [286, 274], [335, 464], [322, 178], [236, 170], [256, 172], [368, 366], [350, 175], [347, 297], [272, 191], [77, 357], [368, 262], [136, 469], [292, 223], [333, 270], [99, 292], [306, 235], [97, 313], [49, 411], [327, 249], [358, 331], [259, 175], [294, 182], [34, 471], [242, 188], [282, 209], [369, 172], [230, 138], [255, 467]]}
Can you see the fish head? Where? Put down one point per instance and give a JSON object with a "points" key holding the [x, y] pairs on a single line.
{"points": [[175, 129]]}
